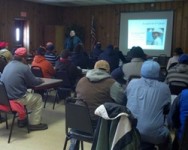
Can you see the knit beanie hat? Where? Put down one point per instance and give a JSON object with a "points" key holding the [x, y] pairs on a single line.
{"points": [[183, 59], [102, 64], [150, 69]]}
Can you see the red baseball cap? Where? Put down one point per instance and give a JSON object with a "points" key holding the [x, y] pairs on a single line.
{"points": [[22, 52], [3, 44]]}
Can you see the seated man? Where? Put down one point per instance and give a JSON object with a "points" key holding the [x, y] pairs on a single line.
{"points": [[131, 68], [40, 61], [146, 99], [50, 54], [177, 116], [177, 52], [79, 57], [5, 52], [95, 53], [17, 77], [65, 65], [97, 87], [111, 56], [179, 72]]}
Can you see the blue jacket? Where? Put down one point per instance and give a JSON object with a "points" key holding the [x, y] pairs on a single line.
{"points": [[72, 42], [80, 59], [178, 112]]}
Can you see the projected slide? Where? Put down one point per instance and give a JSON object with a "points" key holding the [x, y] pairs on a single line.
{"points": [[150, 30], [148, 33]]}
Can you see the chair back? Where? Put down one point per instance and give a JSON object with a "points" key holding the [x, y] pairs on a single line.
{"points": [[4, 100], [77, 117], [184, 140], [177, 86], [37, 71]]}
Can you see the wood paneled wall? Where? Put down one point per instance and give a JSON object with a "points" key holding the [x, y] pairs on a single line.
{"points": [[107, 18], [38, 16]]}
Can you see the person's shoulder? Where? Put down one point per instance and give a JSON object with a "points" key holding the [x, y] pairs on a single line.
{"points": [[162, 85], [82, 80]]}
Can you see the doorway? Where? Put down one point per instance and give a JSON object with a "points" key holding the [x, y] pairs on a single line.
{"points": [[21, 33]]}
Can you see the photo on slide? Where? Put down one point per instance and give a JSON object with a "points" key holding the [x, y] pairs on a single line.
{"points": [[154, 36]]}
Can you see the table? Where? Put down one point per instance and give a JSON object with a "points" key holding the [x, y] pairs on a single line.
{"points": [[48, 83]]}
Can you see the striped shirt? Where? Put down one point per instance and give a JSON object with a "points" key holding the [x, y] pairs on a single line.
{"points": [[178, 73], [51, 57]]}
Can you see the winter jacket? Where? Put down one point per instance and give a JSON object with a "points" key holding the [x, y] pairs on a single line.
{"points": [[178, 73], [96, 88], [47, 68], [179, 112], [116, 129]]}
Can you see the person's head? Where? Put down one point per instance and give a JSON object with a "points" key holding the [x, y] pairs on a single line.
{"points": [[178, 51], [156, 32], [49, 43], [98, 45], [150, 69], [65, 54], [183, 59], [103, 65], [50, 47], [137, 52], [41, 51], [20, 54], [3, 45], [72, 33]]}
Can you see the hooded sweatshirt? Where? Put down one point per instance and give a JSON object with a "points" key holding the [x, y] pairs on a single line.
{"points": [[96, 88], [47, 68]]}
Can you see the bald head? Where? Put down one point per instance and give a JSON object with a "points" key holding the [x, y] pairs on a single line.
{"points": [[72, 33]]}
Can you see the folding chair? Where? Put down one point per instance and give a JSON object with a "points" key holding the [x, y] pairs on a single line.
{"points": [[77, 117], [5, 102], [37, 71], [66, 88]]}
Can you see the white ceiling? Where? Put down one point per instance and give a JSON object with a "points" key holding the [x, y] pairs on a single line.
{"points": [[92, 2]]}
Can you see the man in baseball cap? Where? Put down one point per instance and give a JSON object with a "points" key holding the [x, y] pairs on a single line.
{"points": [[17, 77]]}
